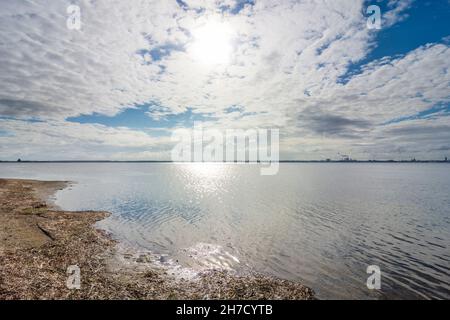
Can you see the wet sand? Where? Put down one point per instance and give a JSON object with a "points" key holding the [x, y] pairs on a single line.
{"points": [[38, 242]]}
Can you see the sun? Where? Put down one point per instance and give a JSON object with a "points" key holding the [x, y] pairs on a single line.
{"points": [[212, 43]]}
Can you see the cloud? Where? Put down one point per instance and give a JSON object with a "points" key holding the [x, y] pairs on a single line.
{"points": [[285, 71], [334, 125], [19, 108], [58, 140]]}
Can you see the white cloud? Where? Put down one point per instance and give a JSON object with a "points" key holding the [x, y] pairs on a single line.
{"points": [[287, 59], [57, 140]]}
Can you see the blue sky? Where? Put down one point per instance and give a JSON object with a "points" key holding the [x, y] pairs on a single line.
{"points": [[424, 22], [139, 117], [122, 84]]}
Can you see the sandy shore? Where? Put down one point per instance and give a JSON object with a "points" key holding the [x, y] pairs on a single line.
{"points": [[39, 242]]}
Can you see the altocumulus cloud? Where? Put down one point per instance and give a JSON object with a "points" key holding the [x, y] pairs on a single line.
{"points": [[286, 68]]}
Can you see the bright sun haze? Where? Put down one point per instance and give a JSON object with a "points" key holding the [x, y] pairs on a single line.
{"points": [[212, 43]]}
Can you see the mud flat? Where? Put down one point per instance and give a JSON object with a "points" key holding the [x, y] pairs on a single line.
{"points": [[38, 242]]}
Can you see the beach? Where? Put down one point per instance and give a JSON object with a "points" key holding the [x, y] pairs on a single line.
{"points": [[39, 242]]}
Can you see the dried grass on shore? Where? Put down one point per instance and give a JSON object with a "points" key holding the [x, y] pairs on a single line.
{"points": [[37, 244]]}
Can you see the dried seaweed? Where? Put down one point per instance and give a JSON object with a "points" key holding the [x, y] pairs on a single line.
{"points": [[36, 249]]}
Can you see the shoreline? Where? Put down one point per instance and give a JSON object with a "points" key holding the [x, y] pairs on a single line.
{"points": [[374, 161], [39, 241]]}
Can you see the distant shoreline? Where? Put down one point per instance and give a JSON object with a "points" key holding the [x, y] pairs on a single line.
{"points": [[226, 162]]}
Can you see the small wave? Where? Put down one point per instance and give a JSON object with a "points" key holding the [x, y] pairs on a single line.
{"points": [[206, 256]]}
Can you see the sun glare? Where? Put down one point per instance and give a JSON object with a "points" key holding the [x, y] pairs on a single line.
{"points": [[212, 43]]}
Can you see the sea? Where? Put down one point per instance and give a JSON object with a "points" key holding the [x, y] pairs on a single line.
{"points": [[326, 225]]}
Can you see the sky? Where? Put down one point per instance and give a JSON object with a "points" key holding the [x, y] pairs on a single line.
{"points": [[117, 88]]}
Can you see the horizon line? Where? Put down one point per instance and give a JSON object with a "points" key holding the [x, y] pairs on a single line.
{"points": [[240, 162]]}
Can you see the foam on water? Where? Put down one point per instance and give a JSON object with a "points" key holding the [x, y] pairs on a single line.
{"points": [[206, 256]]}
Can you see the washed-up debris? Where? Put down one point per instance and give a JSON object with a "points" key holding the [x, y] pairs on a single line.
{"points": [[38, 244]]}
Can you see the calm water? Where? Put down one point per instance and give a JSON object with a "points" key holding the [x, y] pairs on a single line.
{"points": [[321, 224]]}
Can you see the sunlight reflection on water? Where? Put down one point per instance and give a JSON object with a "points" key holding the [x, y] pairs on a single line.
{"points": [[321, 224]]}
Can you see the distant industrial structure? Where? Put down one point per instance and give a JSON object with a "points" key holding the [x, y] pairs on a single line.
{"points": [[342, 158]]}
